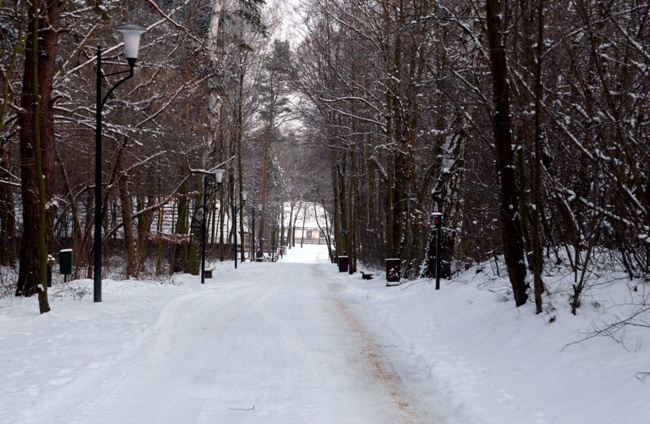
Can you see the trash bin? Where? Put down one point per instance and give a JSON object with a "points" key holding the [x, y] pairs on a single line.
{"points": [[393, 271], [65, 261], [343, 263]]}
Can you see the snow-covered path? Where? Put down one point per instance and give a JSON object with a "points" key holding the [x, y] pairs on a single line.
{"points": [[299, 342], [273, 350], [275, 346]]}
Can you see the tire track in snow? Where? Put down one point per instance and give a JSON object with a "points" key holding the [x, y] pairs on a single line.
{"points": [[300, 346], [278, 348], [141, 369], [373, 361]]}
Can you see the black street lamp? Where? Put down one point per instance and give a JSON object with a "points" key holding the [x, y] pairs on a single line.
{"points": [[244, 195], [131, 34], [218, 175]]}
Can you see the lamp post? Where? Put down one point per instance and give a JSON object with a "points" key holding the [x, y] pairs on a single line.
{"points": [[218, 176], [244, 195], [131, 34]]}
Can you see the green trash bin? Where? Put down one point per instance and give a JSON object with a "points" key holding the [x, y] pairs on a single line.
{"points": [[65, 262]]}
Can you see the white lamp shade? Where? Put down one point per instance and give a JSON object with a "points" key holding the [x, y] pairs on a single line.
{"points": [[244, 195], [218, 174], [131, 34]]}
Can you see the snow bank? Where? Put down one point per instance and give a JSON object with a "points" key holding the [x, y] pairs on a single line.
{"points": [[470, 349]]}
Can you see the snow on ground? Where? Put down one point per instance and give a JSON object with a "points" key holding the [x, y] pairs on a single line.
{"points": [[298, 342]]}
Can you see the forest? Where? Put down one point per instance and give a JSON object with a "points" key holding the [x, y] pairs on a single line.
{"points": [[522, 125]]}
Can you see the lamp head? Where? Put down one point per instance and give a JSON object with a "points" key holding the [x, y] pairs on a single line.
{"points": [[131, 34], [244, 195], [218, 174]]}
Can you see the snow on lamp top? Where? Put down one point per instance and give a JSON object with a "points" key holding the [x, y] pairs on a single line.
{"points": [[131, 34]]}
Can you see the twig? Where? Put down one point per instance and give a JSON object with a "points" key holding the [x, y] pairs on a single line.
{"points": [[169, 19], [242, 409], [641, 375]]}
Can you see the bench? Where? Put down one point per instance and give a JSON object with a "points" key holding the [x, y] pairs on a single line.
{"points": [[366, 276], [208, 273]]}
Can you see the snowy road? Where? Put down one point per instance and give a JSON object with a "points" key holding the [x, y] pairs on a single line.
{"points": [[299, 342], [275, 346]]}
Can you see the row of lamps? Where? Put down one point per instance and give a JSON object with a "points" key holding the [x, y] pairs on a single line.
{"points": [[131, 37]]}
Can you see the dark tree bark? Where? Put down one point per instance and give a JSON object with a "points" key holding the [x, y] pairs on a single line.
{"points": [[536, 231], [127, 219], [180, 252], [513, 244], [43, 69], [265, 171], [7, 220]]}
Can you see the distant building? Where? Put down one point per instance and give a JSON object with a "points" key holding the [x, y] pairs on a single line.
{"points": [[309, 223]]}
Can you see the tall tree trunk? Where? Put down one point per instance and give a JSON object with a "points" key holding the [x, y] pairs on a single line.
{"points": [[447, 200], [537, 258], [353, 212], [214, 99], [127, 219], [304, 220], [180, 252], [215, 105], [240, 168], [144, 221], [36, 137], [7, 204], [509, 203], [338, 221], [233, 215], [293, 226], [7, 219], [400, 157], [288, 241], [265, 171]]}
